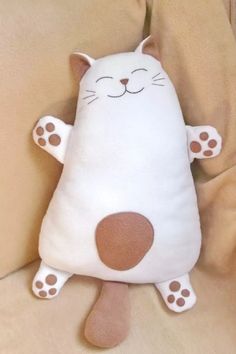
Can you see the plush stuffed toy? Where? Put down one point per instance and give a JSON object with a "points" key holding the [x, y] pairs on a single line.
{"points": [[125, 208]]}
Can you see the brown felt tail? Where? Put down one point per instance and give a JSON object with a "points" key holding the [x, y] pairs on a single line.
{"points": [[108, 323]]}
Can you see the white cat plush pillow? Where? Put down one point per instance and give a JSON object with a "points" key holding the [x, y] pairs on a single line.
{"points": [[125, 208]]}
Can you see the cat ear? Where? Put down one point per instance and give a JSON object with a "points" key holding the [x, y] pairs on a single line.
{"points": [[80, 63], [149, 46]]}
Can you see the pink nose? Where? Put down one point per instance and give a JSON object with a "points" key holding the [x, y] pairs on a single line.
{"points": [[124, 81]]}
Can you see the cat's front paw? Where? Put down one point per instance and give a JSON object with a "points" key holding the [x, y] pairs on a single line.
{"points": [[203, 142], [46, 132], [52, 134]]}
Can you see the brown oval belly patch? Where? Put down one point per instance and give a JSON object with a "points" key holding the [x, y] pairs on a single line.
{"points": [[123, 239]]}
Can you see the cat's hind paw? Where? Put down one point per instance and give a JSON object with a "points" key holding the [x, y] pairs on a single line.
{"points": [[178, 293], [48, 282]]}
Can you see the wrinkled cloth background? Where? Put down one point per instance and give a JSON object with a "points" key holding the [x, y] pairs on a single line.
{"points": [[198, 50]]}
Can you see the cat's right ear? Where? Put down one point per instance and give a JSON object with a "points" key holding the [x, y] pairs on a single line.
{"points": [[149, 46], [80, 63]]}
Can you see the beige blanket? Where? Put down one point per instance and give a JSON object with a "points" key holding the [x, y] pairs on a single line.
{"points": [[199, 52], [32, 326]]}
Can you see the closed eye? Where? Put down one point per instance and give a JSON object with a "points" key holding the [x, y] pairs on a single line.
{"points": [[104, 77], [143, 69]]}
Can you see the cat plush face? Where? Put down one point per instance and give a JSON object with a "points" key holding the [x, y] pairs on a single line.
{"points": [[117, 76]]}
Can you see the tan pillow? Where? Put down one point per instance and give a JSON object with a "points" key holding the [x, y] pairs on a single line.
{"points": [[230, 6], [36, 41]]}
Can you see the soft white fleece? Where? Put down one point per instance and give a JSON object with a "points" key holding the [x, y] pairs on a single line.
{"points": [[126, 153]]}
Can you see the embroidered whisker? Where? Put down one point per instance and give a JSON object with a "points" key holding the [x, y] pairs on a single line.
{"points": [[158, 85], [162, 78], [155, 75], [89, 96], [90, 91], [93, 100]]}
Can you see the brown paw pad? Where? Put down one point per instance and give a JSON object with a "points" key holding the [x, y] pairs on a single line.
{"points": [[171, 299], [42, 142], [52, 291], [174, 286], [50, 127], [208, 153], [51, 279], [204, 136], [185, 293], [42, 293], [180, 302], [39, 131], [195, 147], [39, 284], [54, 139], [212, 143]]}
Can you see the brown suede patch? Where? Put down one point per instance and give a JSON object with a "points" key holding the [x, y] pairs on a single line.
{"points": [[108, 323], [123, 239]]}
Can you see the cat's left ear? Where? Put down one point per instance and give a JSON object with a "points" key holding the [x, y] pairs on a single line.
{"points": [[149, 46], [80, 63]]}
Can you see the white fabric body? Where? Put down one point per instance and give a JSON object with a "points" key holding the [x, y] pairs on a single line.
{"points": [[125, 154]]}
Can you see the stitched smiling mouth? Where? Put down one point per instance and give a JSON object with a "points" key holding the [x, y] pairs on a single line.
{"points": [[126, 90]]}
